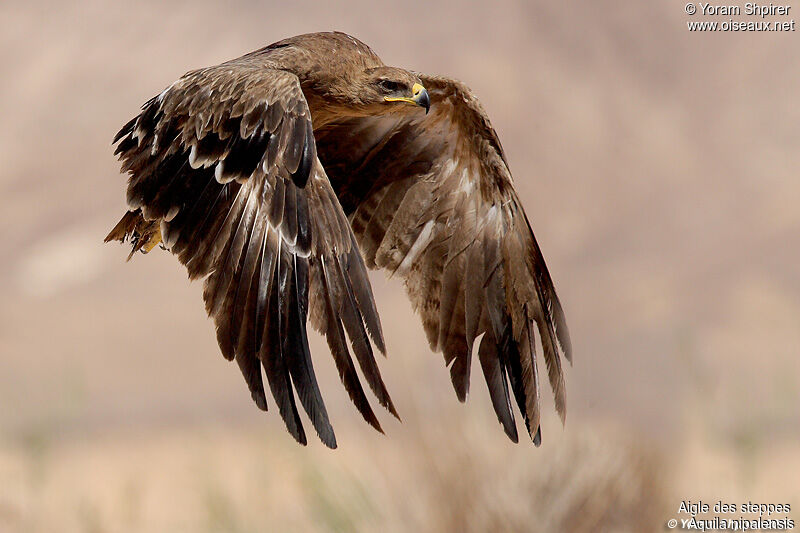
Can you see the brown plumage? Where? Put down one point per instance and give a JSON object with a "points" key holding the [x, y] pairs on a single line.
{"points": [[278, 177]]}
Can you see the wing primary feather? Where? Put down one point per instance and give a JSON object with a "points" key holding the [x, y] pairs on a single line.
{"points": [[189, 249], [362, 290], [337, 342], [272, 356], [545, 281], [265, 279], [219, 232], [361, 346], [473, 293], [228, 279], [246, 295], [244, 310], [509, 352], [237, 297], [510, 357], [495, 375], [296, 351], [452, 337], [528, 354], [551, 358], [251, 370]]}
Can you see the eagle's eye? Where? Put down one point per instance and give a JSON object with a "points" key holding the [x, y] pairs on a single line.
{"points": [[389, 85]]}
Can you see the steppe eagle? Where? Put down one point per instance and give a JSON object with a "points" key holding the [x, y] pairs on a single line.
{"points": [[280, 176]]}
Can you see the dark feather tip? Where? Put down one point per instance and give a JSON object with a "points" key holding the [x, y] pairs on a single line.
{"points": [[511, 432], [261, 400], [390, 407]]}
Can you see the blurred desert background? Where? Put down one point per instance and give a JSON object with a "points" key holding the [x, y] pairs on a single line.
{"points": [[660, 172]]}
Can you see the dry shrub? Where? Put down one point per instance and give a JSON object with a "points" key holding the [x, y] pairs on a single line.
{"points": [[591, 481]]}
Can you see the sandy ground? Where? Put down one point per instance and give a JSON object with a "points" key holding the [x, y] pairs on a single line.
{"points": [[659, 170]]}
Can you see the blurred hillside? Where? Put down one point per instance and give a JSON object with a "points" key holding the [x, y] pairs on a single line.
{"points": [[658, 168]]}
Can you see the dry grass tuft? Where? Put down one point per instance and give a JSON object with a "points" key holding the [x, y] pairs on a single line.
{"points": [[592, 481]]}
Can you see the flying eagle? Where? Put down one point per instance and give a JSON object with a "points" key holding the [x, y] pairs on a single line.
{"points": [[280, 176]]}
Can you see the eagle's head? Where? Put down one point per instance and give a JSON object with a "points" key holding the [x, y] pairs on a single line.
{"points": [[352, 81], [363, 92], [394, 86]]}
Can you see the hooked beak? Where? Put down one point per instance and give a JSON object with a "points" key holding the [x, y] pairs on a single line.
{"points": [[420, 98]]}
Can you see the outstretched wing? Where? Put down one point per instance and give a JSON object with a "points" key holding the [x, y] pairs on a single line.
{"points": [[430, 199], [225, 159]]}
